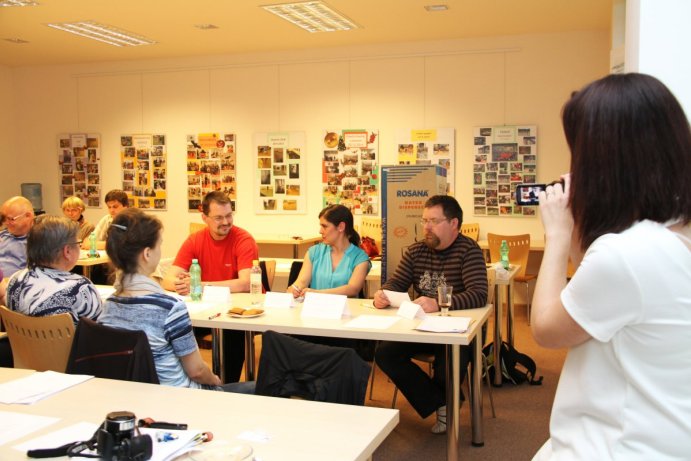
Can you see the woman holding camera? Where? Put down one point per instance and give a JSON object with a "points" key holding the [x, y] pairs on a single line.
{"points": [[623, 217], [133, 244]]}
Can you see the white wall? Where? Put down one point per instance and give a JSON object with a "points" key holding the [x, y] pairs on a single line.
{"points": [[657, 43], [459, 84], [8, 184]]}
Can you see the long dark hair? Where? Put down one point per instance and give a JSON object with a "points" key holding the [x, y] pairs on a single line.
{"points": [[630, 155], [337, 214], [131, 232]]}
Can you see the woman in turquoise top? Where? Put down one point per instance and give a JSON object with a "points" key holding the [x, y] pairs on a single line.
{"points": [[338, 265]]}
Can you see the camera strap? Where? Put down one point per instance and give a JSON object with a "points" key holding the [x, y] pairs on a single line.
{"points": [[69, 449]]}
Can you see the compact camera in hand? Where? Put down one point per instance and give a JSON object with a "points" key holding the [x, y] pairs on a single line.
{"points": [[527, 194], [116, 439]]}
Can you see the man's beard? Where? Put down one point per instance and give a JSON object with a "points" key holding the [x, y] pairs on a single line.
{"points": [[432, 241]]}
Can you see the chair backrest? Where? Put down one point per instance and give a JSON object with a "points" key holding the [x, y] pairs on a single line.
{"points": [[519, 249], [39, 343], [196, 226], [294, 272], [290, 367], [471, 229], [268, 267], [112, 353]]}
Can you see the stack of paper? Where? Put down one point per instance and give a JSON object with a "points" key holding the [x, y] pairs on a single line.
{"points": [[37, 386]]}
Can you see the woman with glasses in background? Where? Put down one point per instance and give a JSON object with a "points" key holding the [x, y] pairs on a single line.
{"points": [[46, 286], [73, 207]]}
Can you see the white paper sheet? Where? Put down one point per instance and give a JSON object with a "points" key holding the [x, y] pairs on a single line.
{"points": [[377, 322], [324, 306], [410, 310], [396, 297], [276, 300], [444, 324], [37, 386], [74, 433], [16, 425], [214, 294]]}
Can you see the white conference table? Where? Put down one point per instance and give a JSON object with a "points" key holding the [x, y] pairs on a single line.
{"points": [[503, 285], [289, 321], [295, 429], [87, 262]]}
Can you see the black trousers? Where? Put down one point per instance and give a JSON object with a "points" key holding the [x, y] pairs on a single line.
{"points": [[233, 354], [424, 393]]}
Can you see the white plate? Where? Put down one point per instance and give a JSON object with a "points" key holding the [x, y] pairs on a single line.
{"points": [[241, 316]]}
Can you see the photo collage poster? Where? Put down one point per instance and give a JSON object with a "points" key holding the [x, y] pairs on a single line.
{"points": [[281, 176], [144, 170], [504, 156], [350, 170], [211, 162], [79, 159], [429, 147]]}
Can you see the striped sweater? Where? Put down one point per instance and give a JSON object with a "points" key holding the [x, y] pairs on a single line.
{"points": [[461, 265]]}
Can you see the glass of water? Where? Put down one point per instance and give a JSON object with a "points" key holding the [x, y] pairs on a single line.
{"points": [[444, 293]]}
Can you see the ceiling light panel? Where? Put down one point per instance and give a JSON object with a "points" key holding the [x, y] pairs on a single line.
{"points": [[18, 3], [312, 16], [103, 33]]}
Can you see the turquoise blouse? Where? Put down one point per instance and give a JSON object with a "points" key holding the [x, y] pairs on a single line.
{"points": [[323, 277]]}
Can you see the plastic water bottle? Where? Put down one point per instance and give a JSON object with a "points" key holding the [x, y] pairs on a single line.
{"points": [[93, 253], [256, 283], [196, 289], [504, 254]]}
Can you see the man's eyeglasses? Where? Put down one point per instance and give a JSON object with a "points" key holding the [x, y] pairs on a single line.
{"points": [[220, 219], [17, 218], [78, 242], [433, 221]]}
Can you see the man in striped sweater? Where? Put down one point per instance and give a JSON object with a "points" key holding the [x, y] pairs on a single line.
{"points": [[444, 257]]}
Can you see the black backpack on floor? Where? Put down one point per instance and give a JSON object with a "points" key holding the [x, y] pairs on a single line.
{"points": [[515, 366]]}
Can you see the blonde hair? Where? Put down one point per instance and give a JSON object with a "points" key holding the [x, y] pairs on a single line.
{"points": [[73, 202]]}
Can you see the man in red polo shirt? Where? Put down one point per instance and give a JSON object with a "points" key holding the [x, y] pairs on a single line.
{"points": [[225, 253]]}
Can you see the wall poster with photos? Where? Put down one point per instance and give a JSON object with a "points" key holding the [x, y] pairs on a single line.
{"points": [[79, 160], [429, 147], [211, 165], [144, 170], [281, 176], [504, 157], [350, 170]]}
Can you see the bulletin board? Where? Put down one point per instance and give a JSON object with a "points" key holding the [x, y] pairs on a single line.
{"points": [[143, 160], [211, 163], [429, 147], [504, 156], [280, 178], [79, 161], [350, 170]]}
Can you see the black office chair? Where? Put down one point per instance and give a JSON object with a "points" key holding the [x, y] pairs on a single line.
{"points": [[289, 367], [112, 353], [295, 268]]}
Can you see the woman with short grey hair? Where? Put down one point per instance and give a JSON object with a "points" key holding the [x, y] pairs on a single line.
{"points": [[46, 286]]}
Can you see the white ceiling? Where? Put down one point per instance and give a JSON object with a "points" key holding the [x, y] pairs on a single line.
{"points": [[246, 28]]}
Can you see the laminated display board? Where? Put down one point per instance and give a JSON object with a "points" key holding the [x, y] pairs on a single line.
{"points": [[405, 189], [429, 147], [505, 156], [79, 160], [211, 161], [350, 170], [280, 185], [144, 170]]}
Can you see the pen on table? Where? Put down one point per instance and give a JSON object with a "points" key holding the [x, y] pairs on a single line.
{"points": [[217, 314]]}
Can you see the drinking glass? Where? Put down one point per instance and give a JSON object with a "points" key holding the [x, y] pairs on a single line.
{"points": [[444, 293]]}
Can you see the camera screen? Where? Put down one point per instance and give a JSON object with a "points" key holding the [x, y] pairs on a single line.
{"points": [[527, 194]]}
